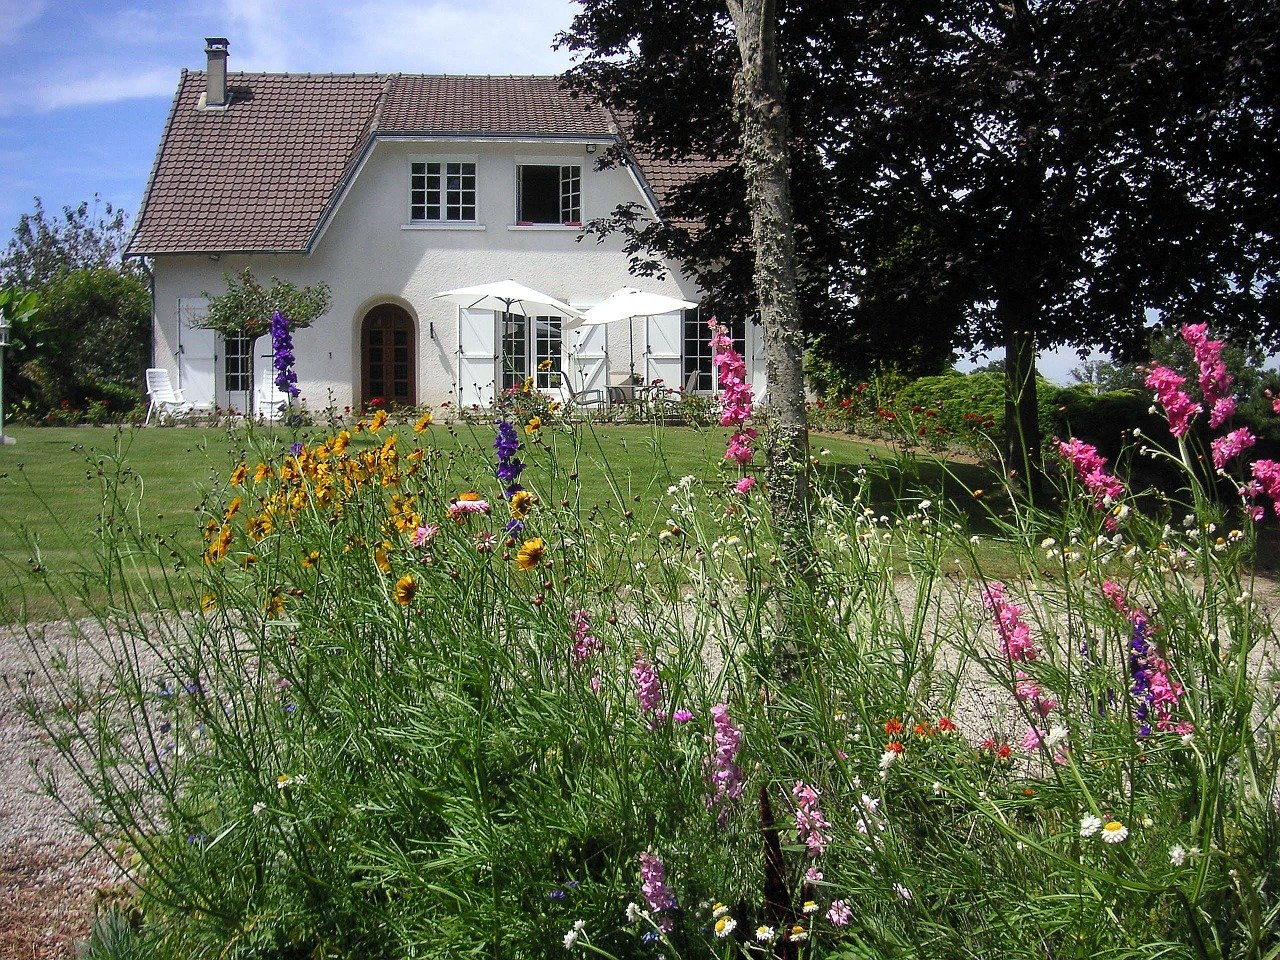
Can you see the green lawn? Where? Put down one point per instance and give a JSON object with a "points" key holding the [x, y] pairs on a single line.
{"points": [[54, 480]]}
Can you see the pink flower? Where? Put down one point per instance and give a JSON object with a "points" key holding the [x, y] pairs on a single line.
{"points": [[584, 642], [423, 535], [648, 686], [813, 875], [1091, 471], [653, 884], [1215, 382], [744, 485], [810, 823], [459, 510], [1178, 408], [1227, 448], [1015, 636], [1266, 482], [736, 400], [726, 775], [839, 914], [682, 716]]}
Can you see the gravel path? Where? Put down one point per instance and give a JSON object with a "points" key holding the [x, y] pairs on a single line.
{"points": [[50, 877]]}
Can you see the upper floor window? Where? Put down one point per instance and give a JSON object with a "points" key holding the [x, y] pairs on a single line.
{"points": [[549, 193], [442, 190]]}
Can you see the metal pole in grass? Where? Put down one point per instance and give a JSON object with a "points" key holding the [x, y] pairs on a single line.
{"points": [[4, 342]]}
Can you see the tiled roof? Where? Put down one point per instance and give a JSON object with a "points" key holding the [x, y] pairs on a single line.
{"points": [[497, 106], [259, 176]]}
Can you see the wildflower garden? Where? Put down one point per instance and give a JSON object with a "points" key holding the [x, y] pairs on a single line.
{"points": [[434, 703]]}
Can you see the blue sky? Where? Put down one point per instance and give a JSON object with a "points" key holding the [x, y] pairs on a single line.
{"points": [[85, 86]]}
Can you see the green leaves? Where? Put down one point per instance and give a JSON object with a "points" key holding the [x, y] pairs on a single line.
{"points": [[246, 308]]}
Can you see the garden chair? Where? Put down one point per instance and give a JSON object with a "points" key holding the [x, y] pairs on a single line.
{"points": [[570, 398], [163, 395], [269, 401]]}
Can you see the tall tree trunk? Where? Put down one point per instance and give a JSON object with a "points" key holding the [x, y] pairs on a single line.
{"points": [[766, 161]]}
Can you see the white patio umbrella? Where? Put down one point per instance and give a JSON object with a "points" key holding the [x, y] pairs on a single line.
{"points": [[629, 303], [505, 295]]}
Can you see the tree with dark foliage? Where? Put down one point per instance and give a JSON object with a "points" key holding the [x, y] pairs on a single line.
{"points": [[1072, 164]]}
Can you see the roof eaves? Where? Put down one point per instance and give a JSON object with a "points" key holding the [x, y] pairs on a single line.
{"points": [[129, 251], [219, 251]]}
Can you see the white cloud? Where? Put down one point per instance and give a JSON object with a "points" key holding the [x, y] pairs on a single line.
{"points": [[105, 88], [17, 14]]}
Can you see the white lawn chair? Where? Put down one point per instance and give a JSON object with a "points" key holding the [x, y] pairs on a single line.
{"points": [[163, 395], [269, 401]]}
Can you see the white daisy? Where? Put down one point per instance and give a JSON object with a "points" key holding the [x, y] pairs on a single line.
{"points": [[1090, 825], [1113, 831]]}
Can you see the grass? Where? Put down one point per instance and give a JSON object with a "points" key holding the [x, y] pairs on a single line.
{"points": [[55, 483]]}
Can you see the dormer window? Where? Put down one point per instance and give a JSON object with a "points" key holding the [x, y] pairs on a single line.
{"points": [[549, 193], [442, 191]]}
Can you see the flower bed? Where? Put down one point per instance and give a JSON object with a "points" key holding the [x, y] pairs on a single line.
{"points": [[422, 720]]}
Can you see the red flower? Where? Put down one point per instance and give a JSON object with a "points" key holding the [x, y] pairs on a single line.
{"points": [[923, 730], [1003, 751], [894, 746], [946, 725], [893, 726]]}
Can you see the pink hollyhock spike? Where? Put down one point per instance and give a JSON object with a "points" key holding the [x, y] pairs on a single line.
{"points": [[1178, 408], [1226, 448], [735, 400], [1015, 636]]}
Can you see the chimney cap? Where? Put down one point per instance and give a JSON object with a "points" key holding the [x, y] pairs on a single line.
{"points": [[216, 43]]}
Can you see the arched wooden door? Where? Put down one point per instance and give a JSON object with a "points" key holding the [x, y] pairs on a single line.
{"points": [[388, 357]]}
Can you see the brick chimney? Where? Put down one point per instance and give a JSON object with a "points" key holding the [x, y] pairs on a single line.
{"points": [[216, 76]]}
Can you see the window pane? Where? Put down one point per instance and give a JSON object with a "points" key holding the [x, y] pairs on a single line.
{"points": [[539, 194], [570, 194]]}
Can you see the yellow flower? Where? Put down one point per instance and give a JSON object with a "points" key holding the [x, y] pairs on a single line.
{"points": [[311, 559], [238, 474], [528, 385], [405, 589], [522, 502], [208, 602], [533, 426], [275, 606], [248, 560], [232, 508], [378, 422], [258, 527], [531, 553], [340, 443], [218, 549], [546, 365], [424, 421], [261, 472], [380, 557]]}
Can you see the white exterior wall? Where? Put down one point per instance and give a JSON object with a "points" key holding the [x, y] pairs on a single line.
{"points": [[370, 254]]}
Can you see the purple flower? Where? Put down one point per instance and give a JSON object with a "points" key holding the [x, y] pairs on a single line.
{"points": [[682, 716], [653, 884], [585, 643], [295, 448], [282, 355], [507, 442]]}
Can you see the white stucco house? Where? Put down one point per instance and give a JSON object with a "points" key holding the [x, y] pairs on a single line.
{"points": [[391, 188]]}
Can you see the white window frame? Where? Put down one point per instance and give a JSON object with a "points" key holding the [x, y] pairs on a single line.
{"points": [[443, 220], [548, 161]]}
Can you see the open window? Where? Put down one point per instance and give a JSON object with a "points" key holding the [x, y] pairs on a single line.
{"points": [[549, 193]]}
